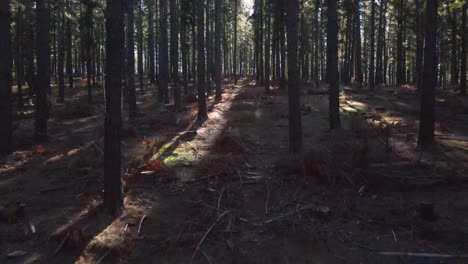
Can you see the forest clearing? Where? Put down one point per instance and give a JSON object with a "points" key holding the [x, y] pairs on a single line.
{"points": [[233, 131]]}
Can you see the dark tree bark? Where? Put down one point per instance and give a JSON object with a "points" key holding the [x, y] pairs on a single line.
{"points": [[131, 97], [88, 45], [295, 127], [163, 53], [19, 57], [43, 74], [372, 49], [218, 48], [332, 64], [151, 69], [282, 40], [113, 200], [464, 31], [140, 45], [419, 45], [6, 118], [427, 117], [69, 56], [400, 59], [185, 47], [194, 52], [208, 48], [267, 49], [358, 46], [316, 67], [175, 55], [454, 51], [202, 114], [61, 57], [234, 57]]}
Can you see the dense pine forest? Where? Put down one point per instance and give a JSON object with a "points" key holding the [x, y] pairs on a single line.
{"points": [[233, 131]]}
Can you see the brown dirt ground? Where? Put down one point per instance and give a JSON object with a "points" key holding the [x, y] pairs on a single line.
{"points": [[229, 184]]}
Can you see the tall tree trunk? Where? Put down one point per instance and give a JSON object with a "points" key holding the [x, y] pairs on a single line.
{"points": [[113, 200], [372, 49], [208, 48], [131, 97], [184, 48], [61, 57], [419, 45], [19, 57], [316, 67], [295, 127], [464, 31], [151, 68], [267, 49], [69, 56], [400, 59], [175, 55], [140, 44], [43, 74], [282, 40], [202, 114], [194, 53], [454, 51], [163, 53], [332, 64], [6, 118], [218, 48], [234, 57], [357, 35], [427, 117]]}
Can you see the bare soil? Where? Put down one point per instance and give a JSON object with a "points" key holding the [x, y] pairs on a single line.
{"points": [[226, 190]]}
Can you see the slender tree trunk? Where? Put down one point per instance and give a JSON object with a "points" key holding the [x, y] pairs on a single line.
{"points": [[175, 55], [113, 200], [267, 49], [332, 64], [43, 74], [464, 31], [184, 50], [208, 48], [194, 53], [234, 57], [218, 69], [400, 59], [427, 118], [357, 34], [151, 68], [61, 57], [454, 51], [295, 127], [316, 67], [372, 49], [202, 114], [69, 56], [19, 57], [163, 53], [6, 118], [131, 98], [419, 45], [140, 44]]}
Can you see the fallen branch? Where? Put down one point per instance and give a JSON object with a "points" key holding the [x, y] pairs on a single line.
{"points": [[206, 234], [61, 187], [139, 226], [61, 245], [318, 209], [422, 255]]}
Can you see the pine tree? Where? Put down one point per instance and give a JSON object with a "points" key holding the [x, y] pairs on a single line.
{"points": [[6, 118], [113, 200], [427, 115]]}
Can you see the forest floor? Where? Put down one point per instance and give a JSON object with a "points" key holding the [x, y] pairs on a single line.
{"points": [[227, 191]]}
